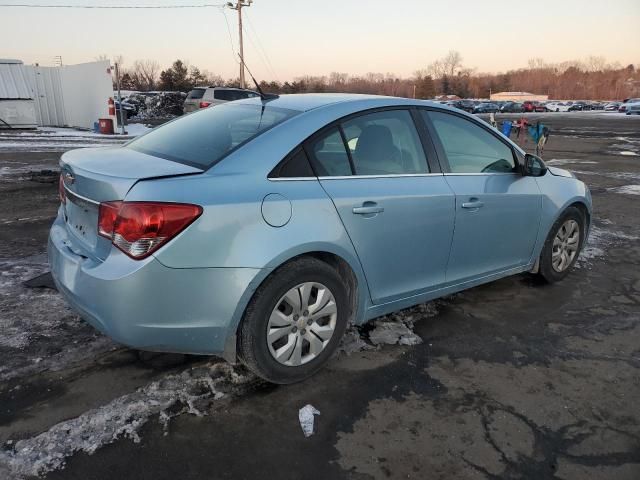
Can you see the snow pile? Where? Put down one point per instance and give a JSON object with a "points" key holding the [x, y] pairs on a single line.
{"points": [[192, 391], [391, 332], [353, 341], [392, 329], [38, 330]]}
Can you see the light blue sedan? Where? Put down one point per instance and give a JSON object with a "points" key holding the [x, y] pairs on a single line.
{"points": [[260, 229]]}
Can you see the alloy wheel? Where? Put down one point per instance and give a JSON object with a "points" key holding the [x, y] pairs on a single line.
{"points": [[302, 324]]}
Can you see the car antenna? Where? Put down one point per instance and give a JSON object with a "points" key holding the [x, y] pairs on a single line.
{"points": [[263, 96]]}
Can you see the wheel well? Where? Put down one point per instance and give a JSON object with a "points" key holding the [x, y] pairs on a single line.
{"points": [[344, 270], [585, 212]]}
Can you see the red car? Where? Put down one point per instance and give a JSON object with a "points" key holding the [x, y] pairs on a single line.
{"points": [[530, 106]]}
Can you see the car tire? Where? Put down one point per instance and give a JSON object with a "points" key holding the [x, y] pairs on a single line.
{"points": [[254, 348], [547, 270]]}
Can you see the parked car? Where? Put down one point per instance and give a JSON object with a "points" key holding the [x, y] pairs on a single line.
{"points": [[512, 107], [627, 101], [129, 109], [557, 107], [578, 107], [612, 107], [633, 108], [486, 108], [465, 105], [262, 229], [202, 97], [532, 106]]}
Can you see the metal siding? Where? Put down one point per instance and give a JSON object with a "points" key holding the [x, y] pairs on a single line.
{"points": [[14, 83], [48, 97]]}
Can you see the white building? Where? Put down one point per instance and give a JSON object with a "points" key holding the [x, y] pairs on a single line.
{"points": [[519, 97], [17, 107], [65, 96]]}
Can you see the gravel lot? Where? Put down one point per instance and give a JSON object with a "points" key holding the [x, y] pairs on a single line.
{"points": [[514, 379]]}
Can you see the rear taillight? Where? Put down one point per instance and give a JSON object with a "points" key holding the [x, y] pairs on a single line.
{"points": [[61, 193], [140, 228], [204, 104]]}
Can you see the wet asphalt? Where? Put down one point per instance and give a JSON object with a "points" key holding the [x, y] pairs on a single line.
{"points": [[515, 379]]}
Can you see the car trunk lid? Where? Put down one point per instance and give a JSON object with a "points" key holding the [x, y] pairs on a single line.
{"points": [[92, 176]]}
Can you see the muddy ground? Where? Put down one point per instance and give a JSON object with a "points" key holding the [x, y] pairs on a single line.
{"points": [[514, 379]]}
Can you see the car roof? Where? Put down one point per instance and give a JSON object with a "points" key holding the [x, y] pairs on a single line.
{"points": [[308, 101]]}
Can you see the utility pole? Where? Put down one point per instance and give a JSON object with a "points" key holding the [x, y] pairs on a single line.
{"points": [[238, 7], [120, 99]]}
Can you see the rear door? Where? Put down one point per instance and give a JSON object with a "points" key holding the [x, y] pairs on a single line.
{"points": [[497, 209], [192, 102], [391, 197]]}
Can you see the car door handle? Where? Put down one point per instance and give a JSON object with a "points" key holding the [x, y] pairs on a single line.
{"points": [[368, 208], [473, 204]]}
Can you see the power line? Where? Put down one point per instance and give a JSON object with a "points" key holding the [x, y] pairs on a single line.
{"points": [[113, 7], [233, 48], [261, 50]]}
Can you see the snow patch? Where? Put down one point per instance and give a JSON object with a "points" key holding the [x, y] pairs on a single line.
{"points": [[627, 189], [49, 139], [599, 241], [38, 330], [565, 161], [192, 391], [628, 153]]}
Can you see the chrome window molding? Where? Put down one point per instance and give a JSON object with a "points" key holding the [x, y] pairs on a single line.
{"points": [[391, 175], [457, 174], [292, 179], [355, 177]]}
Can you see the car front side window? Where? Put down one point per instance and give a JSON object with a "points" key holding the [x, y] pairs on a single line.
{"points": [[470, 148]]}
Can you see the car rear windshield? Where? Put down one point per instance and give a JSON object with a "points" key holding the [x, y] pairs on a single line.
{"points": [[203, 138], [196, 94], [230, 95]]}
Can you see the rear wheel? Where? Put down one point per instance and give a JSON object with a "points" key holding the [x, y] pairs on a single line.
{"points": [[563, 245], [294, 322]]}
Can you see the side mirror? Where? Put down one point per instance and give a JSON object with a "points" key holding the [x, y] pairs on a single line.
{"points": [[533, 166]]}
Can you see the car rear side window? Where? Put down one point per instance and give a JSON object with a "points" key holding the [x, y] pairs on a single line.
{"points": [[329, 155], [196, 94], [469, 147], [230, 95], [385, 143], [204, 138], [296, 165]]}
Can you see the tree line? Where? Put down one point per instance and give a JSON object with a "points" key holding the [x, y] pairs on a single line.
{"points": [[590, 79]]}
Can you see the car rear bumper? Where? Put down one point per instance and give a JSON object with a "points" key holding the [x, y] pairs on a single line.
{"points": [[147, 306]]}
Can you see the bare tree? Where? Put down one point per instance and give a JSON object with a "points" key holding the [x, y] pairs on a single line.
{"points": [[145, 74]]}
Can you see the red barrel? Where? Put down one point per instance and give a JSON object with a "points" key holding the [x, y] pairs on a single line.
{"points": [[106, 125]]}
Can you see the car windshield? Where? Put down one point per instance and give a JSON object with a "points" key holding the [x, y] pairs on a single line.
{"points": [[203, 138]]}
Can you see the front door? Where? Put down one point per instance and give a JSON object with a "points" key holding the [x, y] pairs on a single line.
{"points": [[398, 215], [497, 209]]}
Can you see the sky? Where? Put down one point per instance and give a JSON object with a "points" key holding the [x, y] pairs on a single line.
{"points": [[285, 39]]}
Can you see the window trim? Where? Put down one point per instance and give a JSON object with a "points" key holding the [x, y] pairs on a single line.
{"points": [[442, 156], [437, 160]]}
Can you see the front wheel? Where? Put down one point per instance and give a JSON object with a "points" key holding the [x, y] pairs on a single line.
{"points": [[563, 245], [294, 321]]}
